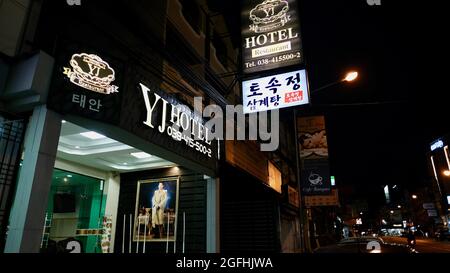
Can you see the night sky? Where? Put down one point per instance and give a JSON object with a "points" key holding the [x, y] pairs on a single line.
{"points": [[399, 50]]}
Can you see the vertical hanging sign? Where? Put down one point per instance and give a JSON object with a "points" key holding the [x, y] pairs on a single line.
{"points": [[271, 35]]}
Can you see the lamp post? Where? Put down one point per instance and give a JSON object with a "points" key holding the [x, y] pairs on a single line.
{"points": [[305, 214], [350, 77]]}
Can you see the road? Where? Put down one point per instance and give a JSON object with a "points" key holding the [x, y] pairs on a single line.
{"points": [[423, 245]]}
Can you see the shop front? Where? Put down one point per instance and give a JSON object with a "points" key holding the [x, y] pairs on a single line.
{"points": [[250, 210], [112, 163]]}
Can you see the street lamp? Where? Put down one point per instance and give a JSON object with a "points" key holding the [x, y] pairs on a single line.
{"points": [[447, 173], [350, 77]]}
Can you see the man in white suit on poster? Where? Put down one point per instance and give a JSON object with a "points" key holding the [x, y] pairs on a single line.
{"points": [[159, 201]]}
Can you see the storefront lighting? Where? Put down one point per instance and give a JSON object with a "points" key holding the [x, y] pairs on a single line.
{"points": [[141, 155], [92, 135]]}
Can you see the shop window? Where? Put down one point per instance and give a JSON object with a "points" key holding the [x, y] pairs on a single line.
{"points": [[75, 214]]}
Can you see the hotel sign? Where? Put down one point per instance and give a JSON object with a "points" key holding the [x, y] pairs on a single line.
{"points": [[96, 86], [271, 35], [90, 72], [177, 121]]}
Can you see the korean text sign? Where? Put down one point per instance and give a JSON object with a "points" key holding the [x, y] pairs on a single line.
{"points": [[274, 92]]}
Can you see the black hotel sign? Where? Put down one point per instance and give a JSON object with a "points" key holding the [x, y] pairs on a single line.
{"points": [[97, 87], [271, 35]]}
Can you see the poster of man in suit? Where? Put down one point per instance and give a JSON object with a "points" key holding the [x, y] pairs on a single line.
{"points": [[156, 210]]}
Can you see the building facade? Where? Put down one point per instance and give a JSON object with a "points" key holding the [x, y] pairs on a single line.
{"points": [[92, 163]]}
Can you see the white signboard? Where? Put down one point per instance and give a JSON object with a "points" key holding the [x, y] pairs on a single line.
{"points": [[275, 92]]}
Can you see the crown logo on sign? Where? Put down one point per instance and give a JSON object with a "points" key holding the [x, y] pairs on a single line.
{"points": [[269, 15], [90, 72]]}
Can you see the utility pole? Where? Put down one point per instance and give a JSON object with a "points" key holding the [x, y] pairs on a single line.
{"points": [[305, 244]]}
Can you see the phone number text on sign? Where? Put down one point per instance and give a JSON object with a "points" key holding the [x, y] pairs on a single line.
{"points": [[273, 60]]}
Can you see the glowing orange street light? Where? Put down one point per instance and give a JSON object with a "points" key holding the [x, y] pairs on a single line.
{"points": [[447, 173], [351, 76]]}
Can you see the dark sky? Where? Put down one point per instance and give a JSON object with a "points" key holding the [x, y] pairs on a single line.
{"points": [[394, 47], [399, 48]]}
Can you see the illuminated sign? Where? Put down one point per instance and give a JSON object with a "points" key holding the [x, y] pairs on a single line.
{"points": [[275, 179], [271, 35], [177, 121], [274, 92], [439, 144], [316, 177], [293, 196], [102, 87], [90, 72], [386, 194]]}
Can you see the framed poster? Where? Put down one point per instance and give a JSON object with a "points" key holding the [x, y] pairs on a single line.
{"points": [[156, 210], [312, 137]]}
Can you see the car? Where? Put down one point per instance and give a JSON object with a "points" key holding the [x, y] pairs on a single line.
{"points": [[442, 234], [366, 245]]}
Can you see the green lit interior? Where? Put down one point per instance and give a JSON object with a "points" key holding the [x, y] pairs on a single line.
{"points": [[90, 202]]}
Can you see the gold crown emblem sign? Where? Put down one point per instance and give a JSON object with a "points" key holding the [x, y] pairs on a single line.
{"points": [[90, 72], [269, 15]]}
